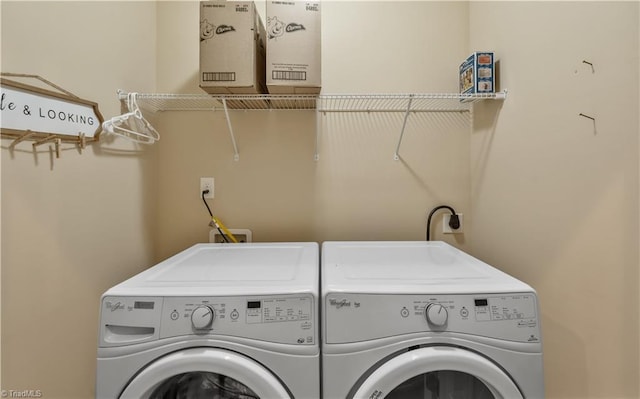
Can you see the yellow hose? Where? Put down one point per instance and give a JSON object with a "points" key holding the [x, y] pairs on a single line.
{"points": [[224, 229]]}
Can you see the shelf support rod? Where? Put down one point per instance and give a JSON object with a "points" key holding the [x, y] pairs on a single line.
{"points": [[396, 156], [236, 155]]}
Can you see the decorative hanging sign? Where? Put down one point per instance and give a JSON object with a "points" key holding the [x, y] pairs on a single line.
{"points": [[35, 113]]}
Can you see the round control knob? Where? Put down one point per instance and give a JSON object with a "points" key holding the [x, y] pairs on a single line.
{"points": [[202, 317], [436, 314]]}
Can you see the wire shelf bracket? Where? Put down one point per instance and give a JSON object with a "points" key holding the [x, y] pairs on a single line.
{"points": [[396, 156], [236, 155]]}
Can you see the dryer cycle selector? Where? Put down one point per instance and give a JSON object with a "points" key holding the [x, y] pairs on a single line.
{"points": [[202, 317], [436, 314]]}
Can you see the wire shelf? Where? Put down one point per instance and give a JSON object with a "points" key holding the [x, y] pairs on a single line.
{"points": [[418, 102], [322, 103]]}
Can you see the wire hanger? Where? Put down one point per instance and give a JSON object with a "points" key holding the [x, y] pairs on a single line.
{"points": [[132, 125]]}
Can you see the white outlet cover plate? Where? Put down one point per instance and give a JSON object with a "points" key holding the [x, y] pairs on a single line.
{"points": [[445, 224], [207, 182]]}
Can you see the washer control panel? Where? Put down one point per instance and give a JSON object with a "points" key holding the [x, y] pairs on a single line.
{"points": [[361, 317], [287, 319]]}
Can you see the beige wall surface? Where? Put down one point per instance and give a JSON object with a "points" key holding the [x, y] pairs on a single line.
{"points": [[546, 197], [555, 195], [73, 226], [356, 191]]}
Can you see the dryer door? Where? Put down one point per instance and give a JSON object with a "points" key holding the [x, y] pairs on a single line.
{"points": [[438, 372], [204, 372]]}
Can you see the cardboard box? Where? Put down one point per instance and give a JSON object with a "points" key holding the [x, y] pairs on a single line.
{"points": [[293, 47], [477, 73], [232, 50]]}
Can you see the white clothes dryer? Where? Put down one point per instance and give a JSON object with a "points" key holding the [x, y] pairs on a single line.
{"points": [[425, 320], [217, 321]]}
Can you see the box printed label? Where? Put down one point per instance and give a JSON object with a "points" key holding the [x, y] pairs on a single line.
{"points": [[276, 28]]}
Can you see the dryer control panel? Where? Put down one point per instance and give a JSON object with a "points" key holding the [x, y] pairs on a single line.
{"points": [[286, 319], [361, 317]]}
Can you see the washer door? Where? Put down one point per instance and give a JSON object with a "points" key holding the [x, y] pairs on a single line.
{"points": [[438, 372], [204, 372]]}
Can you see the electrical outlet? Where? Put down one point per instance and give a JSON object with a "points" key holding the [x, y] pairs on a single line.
{"points": [[445, 224], [242, 235], [206, 183]]}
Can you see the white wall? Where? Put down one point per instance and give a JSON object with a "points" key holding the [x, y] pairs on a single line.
{"points": [[74, 226], [356, 190], [555, 202]]}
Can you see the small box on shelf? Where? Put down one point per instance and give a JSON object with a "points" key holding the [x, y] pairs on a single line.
{"points": [[477, 74]]}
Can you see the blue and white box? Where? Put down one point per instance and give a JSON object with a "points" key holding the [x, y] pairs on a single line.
{"points": [[477, 74]]}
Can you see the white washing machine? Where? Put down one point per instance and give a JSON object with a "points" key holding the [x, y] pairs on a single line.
{"points": [[424, 320], [215, 321]]}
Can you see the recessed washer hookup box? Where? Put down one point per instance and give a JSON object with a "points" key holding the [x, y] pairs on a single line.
{"points": [[232, 49], [293, 47], [477, 74]]}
